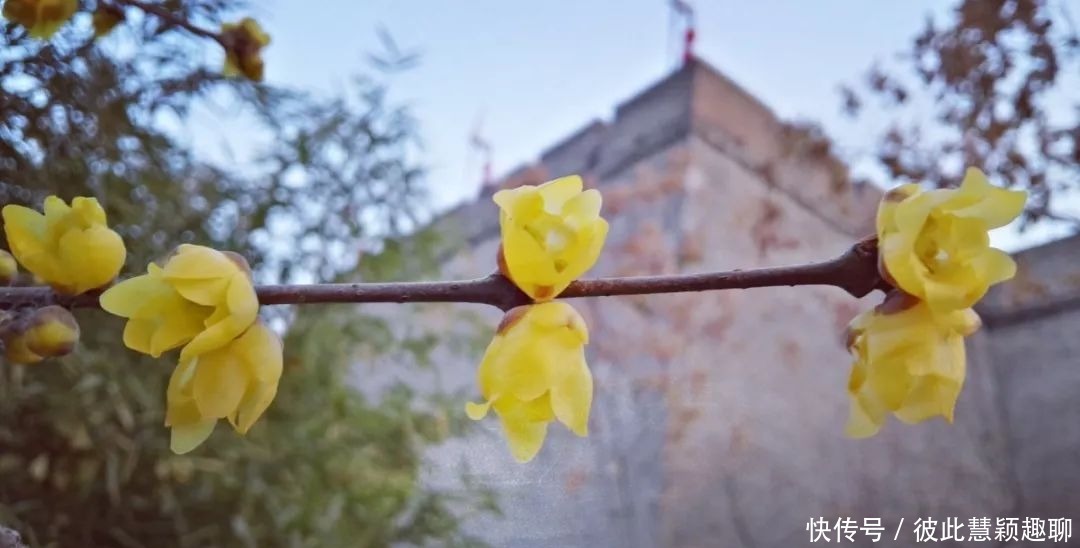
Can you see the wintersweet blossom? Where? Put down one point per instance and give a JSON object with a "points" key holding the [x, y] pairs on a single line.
{"points": [[551, 235], [909, 361], [244, 42], [68, 247], [533, 372], [236, 382], [200, 297], [42, 18], [935, 244]]}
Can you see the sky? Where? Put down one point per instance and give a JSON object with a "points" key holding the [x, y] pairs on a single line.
{"points": [[530, 73]]}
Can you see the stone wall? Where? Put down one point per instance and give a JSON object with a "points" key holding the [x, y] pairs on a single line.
{"points": [[1033, 343], [718, 417]]}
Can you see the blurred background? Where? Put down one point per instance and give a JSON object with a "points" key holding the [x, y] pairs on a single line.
{"points": [[723, 135]]}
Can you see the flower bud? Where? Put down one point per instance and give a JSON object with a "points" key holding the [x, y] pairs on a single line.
{"points": [[51, 332], [244, 42], [9, 269]]}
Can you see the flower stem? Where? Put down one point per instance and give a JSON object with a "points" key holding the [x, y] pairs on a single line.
{"points": [[855, 272], [170, 17]]}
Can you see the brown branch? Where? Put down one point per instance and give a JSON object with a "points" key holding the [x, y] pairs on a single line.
{"points": [[855, 272], [172, 18]]}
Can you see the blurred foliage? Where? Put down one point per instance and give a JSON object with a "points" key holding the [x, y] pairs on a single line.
{"points": [[84, 457], [1002, 81]]}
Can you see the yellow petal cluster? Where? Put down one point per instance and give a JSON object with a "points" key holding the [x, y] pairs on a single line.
{"points": [[909, 362], [235, 382], [41, 18], [201, 298], [551, 235], [244, 42], [533, 372], [230, 364], [934, 249], [935, 244], [70, 248]]}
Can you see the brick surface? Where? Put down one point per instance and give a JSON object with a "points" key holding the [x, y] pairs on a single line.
{"points": [[718, 417]]}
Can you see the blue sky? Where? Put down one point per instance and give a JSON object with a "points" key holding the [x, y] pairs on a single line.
{"points": [[536, 71]]}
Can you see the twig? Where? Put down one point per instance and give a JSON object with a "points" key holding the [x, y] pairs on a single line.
{"points": [[172, 18], [855, 272]]}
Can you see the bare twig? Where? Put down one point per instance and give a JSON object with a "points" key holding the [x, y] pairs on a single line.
{"points": [[170, 17], [855, 272]]}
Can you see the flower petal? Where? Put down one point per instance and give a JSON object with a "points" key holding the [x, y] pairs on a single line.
{"points": [[930, 397], [477, 411], [206, 292], [241, 299], [529, 263], [995, 206], [256, 401], [137, 336], [217, 335], [583, 209], [186, 437], [174, 329], [585, 258], [26, 236], [93, 256], [996, 266], [525, 438], [260, 348], [864, 419], [558, 192], [522, 204], [220, 383], [126, 298], [571, 399], [196, 262]]}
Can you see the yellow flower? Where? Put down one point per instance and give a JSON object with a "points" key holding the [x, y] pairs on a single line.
{"points": [[533, 372], [235, 382], [909, 361], [69, 247], [935, 245], [202, 297], [42, 18], [9, 269], [551, 235], [243, 50]]}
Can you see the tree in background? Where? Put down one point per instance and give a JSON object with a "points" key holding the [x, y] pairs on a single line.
{"points": [[1001, 80], [84, 460]]}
